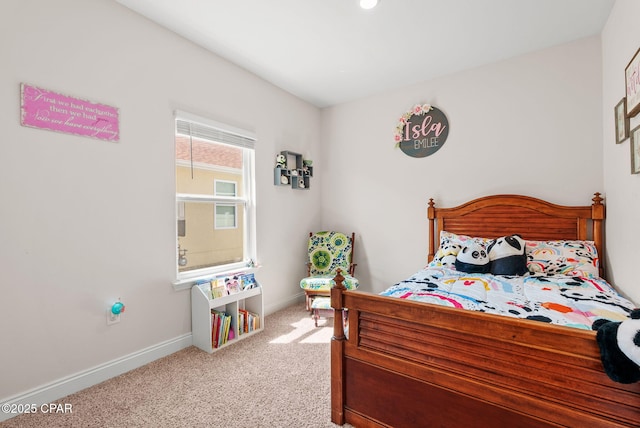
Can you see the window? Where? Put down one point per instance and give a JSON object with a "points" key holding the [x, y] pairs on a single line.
{"points": [[225, 216], [225, 213], [225, 188], [215, 197]]}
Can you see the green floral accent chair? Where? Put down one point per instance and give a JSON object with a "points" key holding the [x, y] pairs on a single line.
{"points": [[327, 252]]}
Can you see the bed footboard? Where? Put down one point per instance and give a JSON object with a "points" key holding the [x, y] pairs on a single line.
{"points": [[404, 363]]}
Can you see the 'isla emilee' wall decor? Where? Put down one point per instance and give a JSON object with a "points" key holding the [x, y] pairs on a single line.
{"points": [[421, 131]]}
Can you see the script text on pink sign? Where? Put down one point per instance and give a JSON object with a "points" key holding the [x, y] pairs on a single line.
{"points": [[49, 110]]}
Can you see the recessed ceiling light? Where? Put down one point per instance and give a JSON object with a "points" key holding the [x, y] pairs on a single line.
{"points": [[368, 4]]}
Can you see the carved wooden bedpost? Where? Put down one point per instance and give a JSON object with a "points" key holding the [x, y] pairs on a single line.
{"points": [[337, 351], [431, 215], [597, 215]]}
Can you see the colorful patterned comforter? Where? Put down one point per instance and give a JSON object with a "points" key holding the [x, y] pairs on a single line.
{"points": [[573, 301]]}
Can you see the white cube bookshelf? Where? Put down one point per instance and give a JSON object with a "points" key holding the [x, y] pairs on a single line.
{"points": [[202, 304]]}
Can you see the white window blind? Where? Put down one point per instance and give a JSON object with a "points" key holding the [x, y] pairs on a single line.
{"points": [[199, 127]]}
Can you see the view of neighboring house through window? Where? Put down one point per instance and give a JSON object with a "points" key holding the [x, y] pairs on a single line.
{"points": [[214, 197], [225, 213]]}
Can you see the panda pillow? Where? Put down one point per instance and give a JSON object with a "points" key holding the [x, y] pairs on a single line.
{"points": [[508, 255], [472, 258], [450, 246]]}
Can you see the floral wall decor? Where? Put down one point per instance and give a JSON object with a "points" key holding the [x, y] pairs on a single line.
{"points": [[421, 131]]}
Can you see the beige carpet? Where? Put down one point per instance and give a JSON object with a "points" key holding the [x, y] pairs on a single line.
{"points": [[277, 378]]}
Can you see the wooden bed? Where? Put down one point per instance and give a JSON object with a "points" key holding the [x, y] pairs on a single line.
{"points": [[414, 364]]}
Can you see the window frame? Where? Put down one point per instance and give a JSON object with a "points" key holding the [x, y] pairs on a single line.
{"points": [[246, 142]]}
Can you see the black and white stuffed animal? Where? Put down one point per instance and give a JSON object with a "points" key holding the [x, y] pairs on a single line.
{"points": [[281, 161], [508, 256], [619, 344], [447, 257], [472, 258]]}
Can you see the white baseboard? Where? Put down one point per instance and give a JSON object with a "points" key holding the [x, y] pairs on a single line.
{"points": [[60, 388]]}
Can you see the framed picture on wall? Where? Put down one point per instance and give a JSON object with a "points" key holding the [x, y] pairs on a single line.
{"points": [[632, 82], [635, 150], [622, 121]]}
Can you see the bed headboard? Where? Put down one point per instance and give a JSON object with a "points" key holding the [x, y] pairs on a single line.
{"points": [[531, 218]]}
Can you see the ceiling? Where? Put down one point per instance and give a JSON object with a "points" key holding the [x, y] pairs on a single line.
{"points": [[329, 52]]}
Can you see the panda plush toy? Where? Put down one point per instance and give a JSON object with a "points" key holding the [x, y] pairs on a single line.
{"points": [[472, 258], [619, 344], [508, 255], [447, 257], [281, 161]]}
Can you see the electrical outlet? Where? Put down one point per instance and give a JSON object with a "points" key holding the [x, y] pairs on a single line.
{"points": [[112, 318]]}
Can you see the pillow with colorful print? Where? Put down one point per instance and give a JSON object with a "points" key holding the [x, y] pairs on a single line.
{"points": [[577, 258]]}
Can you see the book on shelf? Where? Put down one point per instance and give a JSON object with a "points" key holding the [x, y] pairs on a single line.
{"points": [[249, 321], [255, 321], [205, 286], [218, 291], [227, 327], [242, 321], [232, 284], [220, 327], [247, 281], [217, 288], [214, 329], [216, 337]]}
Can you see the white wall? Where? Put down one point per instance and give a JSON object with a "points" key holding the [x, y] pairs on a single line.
{"points": [[620, 40], [529, 125], [85, 221]]}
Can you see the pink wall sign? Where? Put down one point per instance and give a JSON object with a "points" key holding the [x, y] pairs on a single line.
{"points": [[49, 110]]}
